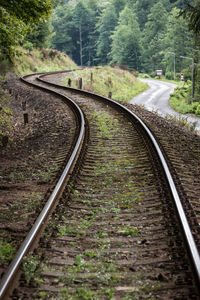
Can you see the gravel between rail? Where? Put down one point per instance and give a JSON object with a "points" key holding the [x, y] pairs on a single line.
{"points": [[114, 233], [99, 247]]}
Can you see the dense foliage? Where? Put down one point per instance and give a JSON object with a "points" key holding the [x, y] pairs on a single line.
{"points": [[136, 33], [17, 18]]}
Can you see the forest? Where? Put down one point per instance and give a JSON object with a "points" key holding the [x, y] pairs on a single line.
{"points": [[139, 35]]}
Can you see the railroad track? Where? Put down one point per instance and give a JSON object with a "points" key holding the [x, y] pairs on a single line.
{"points": [[119, 230]]}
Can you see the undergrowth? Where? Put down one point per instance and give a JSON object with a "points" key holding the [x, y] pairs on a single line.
{"points": [[44, 60], [181, 100]]}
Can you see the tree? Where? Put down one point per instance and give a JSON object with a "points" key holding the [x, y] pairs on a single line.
{"points": [[178, 39], [192, 14], [83, 25], [153, 33], [63, 27], [41, 37], [142, 9], [17, 18], [126, 47], [105, 28]]}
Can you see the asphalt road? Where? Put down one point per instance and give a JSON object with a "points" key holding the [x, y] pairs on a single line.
{"points": [[156, 98]]}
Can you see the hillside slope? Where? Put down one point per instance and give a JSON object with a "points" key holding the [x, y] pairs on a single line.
{"points": [[44, 60]]}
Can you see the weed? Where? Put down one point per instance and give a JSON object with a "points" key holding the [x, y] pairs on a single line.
{"points": [[101, 235], [182, 121], [106, 124], [85, 293], [69, 230], [87, 202], [90, 253], [46, 175], [42, 294], [128, 231], [7, 251], [115, 210], [72, 244], [30, 265], [33, 200], [39, 281], [75, 193]]}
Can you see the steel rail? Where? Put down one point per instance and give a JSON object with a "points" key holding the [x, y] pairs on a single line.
{"points": [[187, 233], [14, 266]]}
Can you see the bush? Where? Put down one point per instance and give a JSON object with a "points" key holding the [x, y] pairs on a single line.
{"points": [[187, 75], [153, 74], [169, 75], [28, 46], [197, 112], [145, 76]]}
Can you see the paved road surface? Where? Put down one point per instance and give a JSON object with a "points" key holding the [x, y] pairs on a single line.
{"points": [[156, 98]]}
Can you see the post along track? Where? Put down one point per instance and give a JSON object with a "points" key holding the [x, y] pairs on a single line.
{"points": [[127, 209]]}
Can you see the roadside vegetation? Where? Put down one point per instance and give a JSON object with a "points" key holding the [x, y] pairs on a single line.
{"points": [[123, 85], [181, 100]]}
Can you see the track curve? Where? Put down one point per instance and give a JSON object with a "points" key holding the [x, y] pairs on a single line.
{"points": [[146, 134]]}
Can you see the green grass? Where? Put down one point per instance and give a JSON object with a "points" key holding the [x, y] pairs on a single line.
{"points": [[7, 251], [36, 60], [123, 85], [45, 60]]}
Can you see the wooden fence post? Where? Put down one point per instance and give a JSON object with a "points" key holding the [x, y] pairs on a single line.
{"points": [[4, 140], [25, 118], [69, 82], [80, 83]]}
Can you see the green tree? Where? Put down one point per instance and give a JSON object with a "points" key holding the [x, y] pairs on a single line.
{"points": [[153, 36], [192, 16], [142, 9], [63, 27], [83, 26], [41, 37], [178, 39], [126, 47], [17, 18], [118, 6], [105, 28]]}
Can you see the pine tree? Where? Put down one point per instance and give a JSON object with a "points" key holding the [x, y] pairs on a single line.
{"points": [[153, 36], [105, 28], [126, 47]]}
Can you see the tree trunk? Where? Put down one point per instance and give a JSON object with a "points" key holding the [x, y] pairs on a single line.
{"points": [[81, 47]]}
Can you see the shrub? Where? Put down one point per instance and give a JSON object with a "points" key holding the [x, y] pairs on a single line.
{"points": [[28, 46], [153, 74], [169, 75], [197, 112]]}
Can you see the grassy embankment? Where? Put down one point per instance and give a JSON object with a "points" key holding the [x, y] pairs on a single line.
{"points": [[45, 60], [123, 85]]}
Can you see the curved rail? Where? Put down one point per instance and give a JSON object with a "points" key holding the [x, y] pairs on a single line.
{"points": [[187, 233], [9, 275], [191, 246]]}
